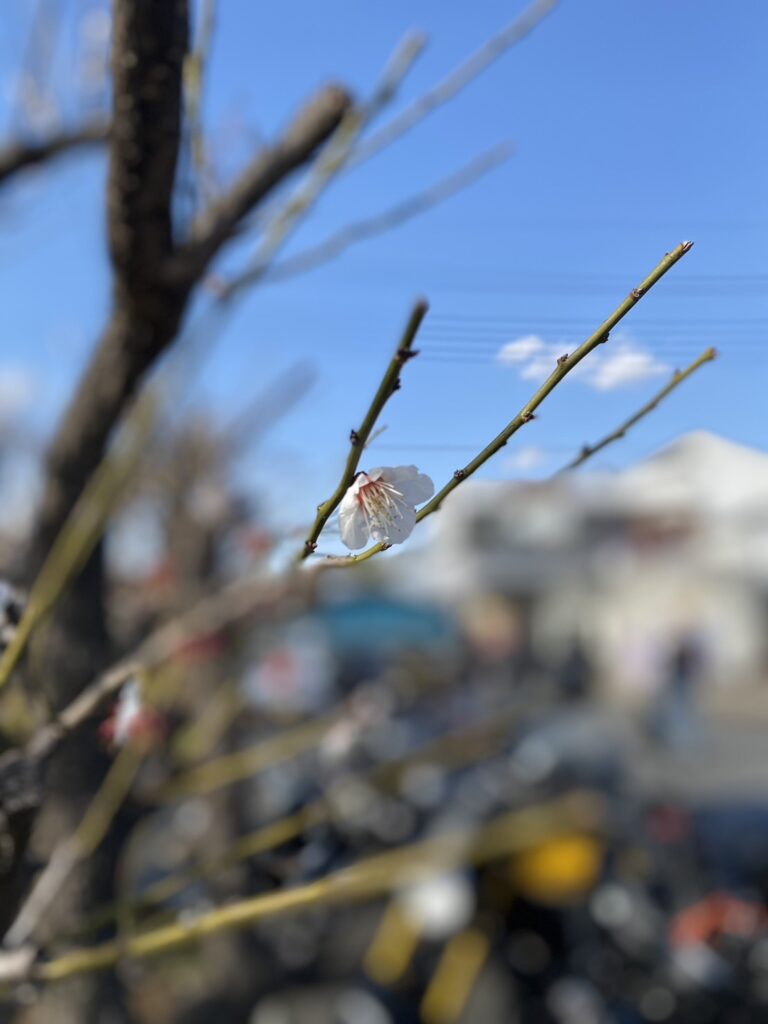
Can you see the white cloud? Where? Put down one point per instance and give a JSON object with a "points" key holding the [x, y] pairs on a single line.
{"points": [[17, 386], [526, 459], [521, 350], [622, 363], [625, 365], [539, 369]]}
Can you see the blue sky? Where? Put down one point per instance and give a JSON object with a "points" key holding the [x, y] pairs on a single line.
{"points": [[636, 125]]}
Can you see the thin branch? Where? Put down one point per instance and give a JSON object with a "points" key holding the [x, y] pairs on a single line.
{"points": [[358, 439], [261, 414], [374, 876], [19, 156], [219, 772], [616, 435], [81, 532], [454, 82], [565, 364], [237, 600], [195, 68], [409, 208], [332, 158], [234, 601], [77, 847], [451, 750], [36, 64], [243, 764], [314, 124], [253, 844]]}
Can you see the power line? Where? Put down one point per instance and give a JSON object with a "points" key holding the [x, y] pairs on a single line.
{"points": [[436, 315], [476, 341]]}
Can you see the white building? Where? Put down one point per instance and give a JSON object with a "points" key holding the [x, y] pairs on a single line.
{"points": [[629, 562]]}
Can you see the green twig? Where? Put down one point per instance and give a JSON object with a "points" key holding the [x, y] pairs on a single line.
{"points": [[677, 378], [453, 749], [565, 364], [77, 847], [505, 835], [83, 529], [359, 438]]}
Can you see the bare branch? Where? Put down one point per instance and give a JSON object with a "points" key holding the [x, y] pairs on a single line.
{"points": [[359, 438], [366, 879], [452, 749], [564, 365], [195, 68], [329, 163], [77, 847], [414, 206], [310, 129], [33, 94], [80, 534], [154, 279], [453, 83], [20, 156], [616, 435], [235, 601]]}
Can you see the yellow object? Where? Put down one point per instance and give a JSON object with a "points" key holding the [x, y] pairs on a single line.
{"points": [[560, 870], [451, 985], [393, 946]]}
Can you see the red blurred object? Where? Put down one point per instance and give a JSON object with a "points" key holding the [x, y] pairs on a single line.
{"points": [[717, 914]]}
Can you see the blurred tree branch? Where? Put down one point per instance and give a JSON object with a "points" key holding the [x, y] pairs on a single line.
{"points": [[331, 160], [388, 220], [20, 156], [221, 222], [234, 601], [382, 873], [454, 749], [454, 82], [154, 276]]}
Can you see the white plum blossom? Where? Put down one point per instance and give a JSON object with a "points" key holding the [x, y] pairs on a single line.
{"points": [[131, 719], [381, 504], [127, 711]]}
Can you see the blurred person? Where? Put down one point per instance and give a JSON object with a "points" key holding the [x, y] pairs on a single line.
{"points": [[575, 673], [674, 721]]}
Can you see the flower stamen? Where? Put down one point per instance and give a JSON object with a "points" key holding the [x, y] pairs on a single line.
{"points": [[381, 505]]}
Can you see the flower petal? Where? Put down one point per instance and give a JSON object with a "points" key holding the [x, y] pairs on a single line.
{"points": [[352, 523], [396, 529], [354, 530], [414, 486], [360, 480]]}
